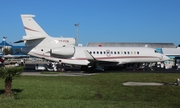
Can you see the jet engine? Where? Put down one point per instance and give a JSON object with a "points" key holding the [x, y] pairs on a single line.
{"points": [[63, 51]]}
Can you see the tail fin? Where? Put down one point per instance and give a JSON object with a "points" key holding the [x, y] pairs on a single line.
{"points": [[31, 27]]}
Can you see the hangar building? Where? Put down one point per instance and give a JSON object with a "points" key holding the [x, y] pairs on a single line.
{"points": [[132, 44]]}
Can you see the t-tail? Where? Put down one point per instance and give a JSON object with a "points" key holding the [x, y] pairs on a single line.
{"points": [[37, 40], [31, 26]]}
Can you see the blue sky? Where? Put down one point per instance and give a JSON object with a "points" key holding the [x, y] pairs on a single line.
{"points": [[100, 20]]}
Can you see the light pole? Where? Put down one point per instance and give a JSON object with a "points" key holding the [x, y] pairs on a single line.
{"points": [[4, 39], [76, 43]]}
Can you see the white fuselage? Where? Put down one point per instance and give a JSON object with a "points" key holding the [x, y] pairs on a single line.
{"points": [[84, 55]]}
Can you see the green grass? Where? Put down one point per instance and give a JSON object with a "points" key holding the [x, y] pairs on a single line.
{"points": [[98, 91]]}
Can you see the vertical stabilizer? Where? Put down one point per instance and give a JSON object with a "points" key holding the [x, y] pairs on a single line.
{"points": [[31, 27]]}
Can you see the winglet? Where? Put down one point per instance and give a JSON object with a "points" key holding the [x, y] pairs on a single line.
{"points": [[89, 56]]}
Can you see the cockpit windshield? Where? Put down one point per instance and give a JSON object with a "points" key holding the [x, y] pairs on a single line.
{"points": [[156, 51]]}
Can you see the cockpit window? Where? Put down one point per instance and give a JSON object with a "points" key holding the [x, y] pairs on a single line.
{"points": [[156, 51]]}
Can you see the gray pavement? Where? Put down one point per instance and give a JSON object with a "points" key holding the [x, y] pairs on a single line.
{"points": [[30, 71], [142, 84]]}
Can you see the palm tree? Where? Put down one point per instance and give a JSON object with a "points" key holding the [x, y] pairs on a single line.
{"points": [[8, 73]]}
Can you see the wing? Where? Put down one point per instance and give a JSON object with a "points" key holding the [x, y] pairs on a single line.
{"points": [[103, 62]]}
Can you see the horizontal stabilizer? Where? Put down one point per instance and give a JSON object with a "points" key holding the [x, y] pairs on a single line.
{"points": [[26, 38], [19, 41]]}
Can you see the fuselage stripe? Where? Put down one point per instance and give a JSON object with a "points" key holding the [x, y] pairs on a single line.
{"points": [[102, 58], [30, 29]]}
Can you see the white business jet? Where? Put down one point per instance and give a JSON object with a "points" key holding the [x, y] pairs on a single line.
{"points": [[39, 44], [98, 57]]}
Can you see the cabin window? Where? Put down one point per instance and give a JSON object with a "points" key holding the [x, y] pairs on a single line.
{"points": [[111, 52], [97, 52], [104, 52], [41, 49], [100, 52], [118, 52], [134, 52], [131, 52], [137, 52], [128, 52], [90, 52], [93, 52], [114, 52], [124, 52]]}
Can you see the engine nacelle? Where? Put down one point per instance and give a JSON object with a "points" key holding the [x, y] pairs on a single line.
{"points": [[63, 51]]}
